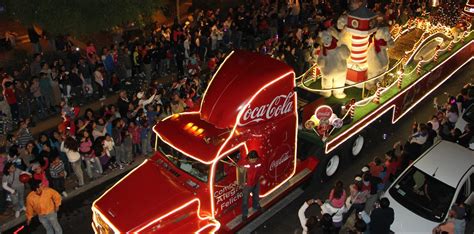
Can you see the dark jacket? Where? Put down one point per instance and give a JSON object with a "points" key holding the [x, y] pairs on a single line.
{"points": [[380, 220]]}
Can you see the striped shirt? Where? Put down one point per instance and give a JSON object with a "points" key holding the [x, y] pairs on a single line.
{"points": [[56, 169], [24, 136]]}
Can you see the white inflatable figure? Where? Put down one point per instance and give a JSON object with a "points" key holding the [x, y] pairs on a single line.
{"points": [[377, 56], [341, 34], [332, 62], [455, 33]]}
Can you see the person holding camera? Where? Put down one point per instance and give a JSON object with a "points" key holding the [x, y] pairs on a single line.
{"points": [[381, 217], [314, 224]]}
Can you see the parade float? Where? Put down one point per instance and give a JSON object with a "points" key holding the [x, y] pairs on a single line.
{"points": [[298, 125]]}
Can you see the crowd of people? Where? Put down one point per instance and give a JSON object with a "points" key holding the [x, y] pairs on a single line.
{"points": [[111, 137], [373, 214]]}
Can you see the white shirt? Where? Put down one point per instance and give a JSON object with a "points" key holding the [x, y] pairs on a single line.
{"points": [[302, 217], [336, 213], [72, 156]]}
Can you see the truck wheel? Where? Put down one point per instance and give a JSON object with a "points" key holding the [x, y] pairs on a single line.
{"points": [[327, 167], [332, 164], [357, 145]]}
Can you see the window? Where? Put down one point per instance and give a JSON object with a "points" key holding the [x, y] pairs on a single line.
{"points": [[226, 164], [423, 195], [191, 166]]}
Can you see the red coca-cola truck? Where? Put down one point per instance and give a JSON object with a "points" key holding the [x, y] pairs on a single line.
{"points": [[192, 183]]}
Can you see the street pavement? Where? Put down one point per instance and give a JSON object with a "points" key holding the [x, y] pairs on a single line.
{"points": [[75, 214]]}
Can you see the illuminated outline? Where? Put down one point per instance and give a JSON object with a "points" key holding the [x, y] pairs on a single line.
{"points": [[174, 211], [239, 115], [96, 211], [393, 106]]}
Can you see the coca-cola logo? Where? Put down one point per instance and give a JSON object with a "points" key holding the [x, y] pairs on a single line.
{"points": [[323, 112], [284, 157], [280, 105]]}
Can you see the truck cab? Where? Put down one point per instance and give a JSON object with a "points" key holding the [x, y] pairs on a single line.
{"points": [[193, 182]]}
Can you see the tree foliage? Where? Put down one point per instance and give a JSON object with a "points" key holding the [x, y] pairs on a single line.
{"points": [[80, 17]]}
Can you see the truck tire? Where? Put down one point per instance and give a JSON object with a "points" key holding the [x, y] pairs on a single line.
{"points": [[328, 166], [358, 143]]}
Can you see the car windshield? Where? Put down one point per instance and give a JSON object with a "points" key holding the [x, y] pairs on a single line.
{"points": [[191, 166], [423, 195]]}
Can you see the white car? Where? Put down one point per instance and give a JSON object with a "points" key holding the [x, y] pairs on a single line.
{"points": [[424, 193]]}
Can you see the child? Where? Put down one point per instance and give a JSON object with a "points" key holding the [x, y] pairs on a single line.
{"points": [[58, 175], [135, 131], [128, 147], [39, 174], [85, 149], [108, 145]]}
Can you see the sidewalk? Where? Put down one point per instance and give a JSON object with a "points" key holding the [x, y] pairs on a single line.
{"points": [[9, 221]]}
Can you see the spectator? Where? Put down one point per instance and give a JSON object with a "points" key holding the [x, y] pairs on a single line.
{"points": [[335, 213], [376, 167], [70, 146], [123, 103], [177, 104], [9, 93], [134, 130], [358, 195], [44, 202], [108, 145], [14, 157], [465, 138], [58, 175], [448, 226], [89, 156], [460, 218], [381, 217], [392, 164], [39, 173], [99, 82], [24, 134], [46, 89], [313, 224], [337, 196], [118, 142], [39, 99], [11, 183]]}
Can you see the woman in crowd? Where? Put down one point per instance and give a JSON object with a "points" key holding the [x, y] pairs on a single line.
{"points": [[15, 188], [70, 146]]}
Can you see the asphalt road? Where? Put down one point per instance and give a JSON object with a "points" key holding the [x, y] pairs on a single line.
{"points": [[75, 215]]}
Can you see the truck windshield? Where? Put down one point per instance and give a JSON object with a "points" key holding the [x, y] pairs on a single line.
{"points": [[423, 195], [191, 166]]}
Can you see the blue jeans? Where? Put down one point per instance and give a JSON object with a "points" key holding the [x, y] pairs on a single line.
{"points": [[50, 223], [255, 190], [93, 163]]}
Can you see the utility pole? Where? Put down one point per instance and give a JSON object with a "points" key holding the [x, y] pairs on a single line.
{"points": [[177, 11]]}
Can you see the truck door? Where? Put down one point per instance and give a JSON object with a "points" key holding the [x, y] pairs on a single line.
{"points": [[227, 192]]}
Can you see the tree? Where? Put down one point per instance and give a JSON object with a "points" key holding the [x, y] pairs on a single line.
{"points": [[80, 17]]}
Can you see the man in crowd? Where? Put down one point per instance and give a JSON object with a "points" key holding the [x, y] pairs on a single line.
{"points": [[44, 202], [381, 217]]}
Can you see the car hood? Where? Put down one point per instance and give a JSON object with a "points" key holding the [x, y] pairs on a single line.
{"points": [[408, 222], [145, 194]]}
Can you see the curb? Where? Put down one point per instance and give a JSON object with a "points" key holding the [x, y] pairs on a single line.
{"points": [[74, 193]]}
